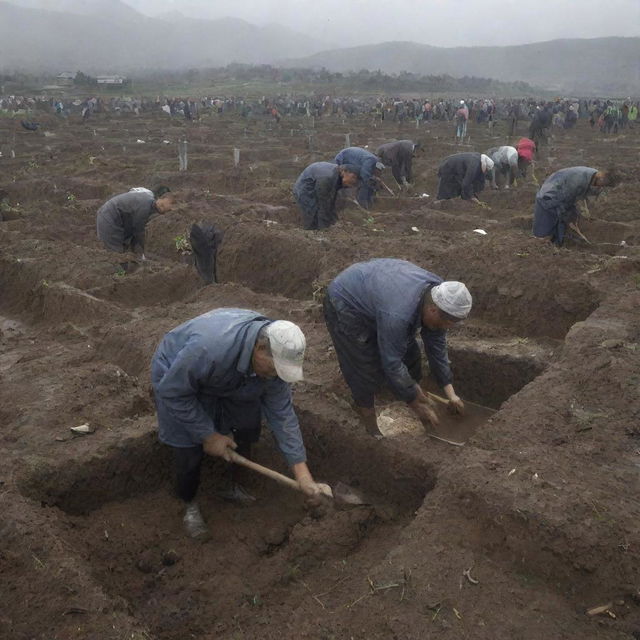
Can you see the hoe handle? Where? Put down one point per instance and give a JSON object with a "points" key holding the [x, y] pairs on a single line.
{"points": [[265, 471]]}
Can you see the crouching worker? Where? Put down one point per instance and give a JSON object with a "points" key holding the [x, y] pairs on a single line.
{"points": [[373, 310], [122, 220], [214, 378], [316, 190], [505, 161], [557, 199], [463, 175], [399, 155]]}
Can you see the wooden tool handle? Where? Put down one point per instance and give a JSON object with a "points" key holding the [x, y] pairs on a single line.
{"points": [[265, 471], [434, 396]]}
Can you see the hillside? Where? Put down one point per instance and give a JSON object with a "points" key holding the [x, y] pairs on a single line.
{"points": [[122, 40], [601, 65]]}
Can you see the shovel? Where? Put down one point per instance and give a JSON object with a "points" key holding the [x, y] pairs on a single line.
{"points": [[341, 493]]}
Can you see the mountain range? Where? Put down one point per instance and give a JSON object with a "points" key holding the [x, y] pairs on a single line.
{"points": [[610, 66], [109, 36]]}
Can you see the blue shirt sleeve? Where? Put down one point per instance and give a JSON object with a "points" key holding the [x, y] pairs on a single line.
{"points": [[279, 414], [179, 388], [393, 337], [435, 346]]}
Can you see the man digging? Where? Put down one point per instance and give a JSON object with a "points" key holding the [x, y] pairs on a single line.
{"points": [[373, 310], [214, 378], [122, 220]]}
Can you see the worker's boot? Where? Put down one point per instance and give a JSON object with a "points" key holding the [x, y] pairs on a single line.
{"points": [[231, 490], [194, 523]]}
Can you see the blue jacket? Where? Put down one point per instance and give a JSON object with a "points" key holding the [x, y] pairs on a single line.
{"points": [[207, 358], [562, 189], [361, 158], [317, 187], [387, 296]]}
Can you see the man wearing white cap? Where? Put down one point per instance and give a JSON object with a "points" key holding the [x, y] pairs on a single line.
{"points": [[214, 378], [373, 310], [463, 175]]}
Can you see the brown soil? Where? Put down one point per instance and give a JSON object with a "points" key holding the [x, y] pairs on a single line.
{"points": [[541, 503]]}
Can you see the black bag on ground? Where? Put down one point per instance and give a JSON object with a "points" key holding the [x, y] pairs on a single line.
{"points": [[205, 240], [29, 126]]}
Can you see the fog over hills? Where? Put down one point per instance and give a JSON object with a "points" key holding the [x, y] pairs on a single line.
{"points": [[110, 36], [116, 39], [599, 65]]}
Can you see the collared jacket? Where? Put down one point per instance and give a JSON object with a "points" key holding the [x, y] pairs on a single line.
{"points": [[387, 296], [209, 358], [122, 220], [460, 175], [562, 189], [399, 156], [361, 158], [316, 190]]}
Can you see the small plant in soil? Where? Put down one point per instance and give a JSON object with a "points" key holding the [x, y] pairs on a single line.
{"points": [[182, 244]]}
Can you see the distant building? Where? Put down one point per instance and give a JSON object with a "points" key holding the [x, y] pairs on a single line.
{"points": [[66, 78], [110, 80]]}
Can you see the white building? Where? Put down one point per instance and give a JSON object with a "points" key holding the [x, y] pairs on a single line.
{"points": [[110, 80]]}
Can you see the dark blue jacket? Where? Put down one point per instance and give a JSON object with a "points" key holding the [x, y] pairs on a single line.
{"points": [[387, 296], [316, 190], [562, 189], [207, 358], [361, 158]]}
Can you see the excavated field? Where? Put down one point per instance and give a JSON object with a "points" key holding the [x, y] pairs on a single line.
{"points": [[541, 504]]}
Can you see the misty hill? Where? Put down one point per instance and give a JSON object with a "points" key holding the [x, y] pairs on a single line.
{"points": [[601, 65], [108, 36]]}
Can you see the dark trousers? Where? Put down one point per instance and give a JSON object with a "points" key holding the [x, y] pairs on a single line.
{"points": [[358, 355], [246, 416]]}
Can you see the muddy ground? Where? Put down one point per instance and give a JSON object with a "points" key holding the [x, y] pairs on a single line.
{"points": [[541, 504]]}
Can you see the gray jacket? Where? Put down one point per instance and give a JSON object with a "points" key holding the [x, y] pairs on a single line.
{"points": [[387, 294], [562, 189], [121, 221], [207, 358]]}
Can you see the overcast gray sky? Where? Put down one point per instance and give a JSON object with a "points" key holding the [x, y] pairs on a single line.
{"points": [[436, 22]]}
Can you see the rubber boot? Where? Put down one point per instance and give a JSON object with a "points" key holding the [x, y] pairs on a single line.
{"points": [[194, 523]]}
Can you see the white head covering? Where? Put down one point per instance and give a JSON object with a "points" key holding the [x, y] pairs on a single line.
{"points": [[287, 344], [453, 298], [486, 162]]}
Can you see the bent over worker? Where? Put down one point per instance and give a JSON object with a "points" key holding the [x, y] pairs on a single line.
{"points": [[316, 190], [463, 175], [556, 201], [373, 310], [369, 168], [122, 220], [399, 155], [526, 149], [505, 161], [214, 378]]}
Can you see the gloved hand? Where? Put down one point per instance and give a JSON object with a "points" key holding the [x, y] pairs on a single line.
{"points": [[309, 487], [218, 445], [456, 405], [423, 408], [306, 482]]}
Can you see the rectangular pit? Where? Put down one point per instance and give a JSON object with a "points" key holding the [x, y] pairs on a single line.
{"points": [[118, 511]]}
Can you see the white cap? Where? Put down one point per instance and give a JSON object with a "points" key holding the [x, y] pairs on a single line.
{"points": [[461, 101], [453, 298], [486, 162], [287, 344]]}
